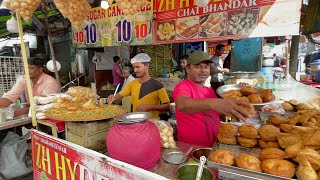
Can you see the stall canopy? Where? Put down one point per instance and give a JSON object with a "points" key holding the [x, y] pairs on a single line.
{"points": [[183, 21]]}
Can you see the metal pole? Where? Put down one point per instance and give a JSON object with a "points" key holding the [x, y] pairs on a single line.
{"points": [[26, 70], [50, 42]]}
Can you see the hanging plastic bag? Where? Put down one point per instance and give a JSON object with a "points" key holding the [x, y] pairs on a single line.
{"points": [[13, 150], [166, 133], [75, 10], [24, 8]]}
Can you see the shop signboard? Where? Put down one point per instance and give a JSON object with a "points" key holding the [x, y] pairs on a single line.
{"points": [[54, 158], [110, 27], [212, 47], [182, 20]]}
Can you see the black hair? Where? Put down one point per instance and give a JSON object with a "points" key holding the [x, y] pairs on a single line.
{"points": [[184, 57], [219, 46], [116, 59], [36, 61]]}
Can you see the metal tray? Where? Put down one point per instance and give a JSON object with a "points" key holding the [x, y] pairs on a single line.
{"points": [[235, 173], [225, 88], [135, 117]]}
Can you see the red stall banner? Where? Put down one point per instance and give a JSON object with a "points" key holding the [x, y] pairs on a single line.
{"points": [[55, 158], [183, 21]]}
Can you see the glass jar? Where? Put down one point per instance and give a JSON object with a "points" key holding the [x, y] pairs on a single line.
{"points": [[10, 111], [3, 115]]}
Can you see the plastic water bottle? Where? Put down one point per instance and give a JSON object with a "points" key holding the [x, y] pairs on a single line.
{"points": [[164, 75]]}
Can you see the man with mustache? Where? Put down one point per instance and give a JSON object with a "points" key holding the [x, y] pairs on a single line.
{"points": [[197, 106], [148, 94]]}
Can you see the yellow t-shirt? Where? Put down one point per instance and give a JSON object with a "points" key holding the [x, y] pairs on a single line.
{"points": [[150, 92]]}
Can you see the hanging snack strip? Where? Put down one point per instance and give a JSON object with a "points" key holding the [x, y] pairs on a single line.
{"points": [[24, 8], [75, 10], [131, 7]]}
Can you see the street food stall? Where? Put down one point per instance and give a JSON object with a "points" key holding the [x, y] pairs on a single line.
{"points": [[246, 148]]}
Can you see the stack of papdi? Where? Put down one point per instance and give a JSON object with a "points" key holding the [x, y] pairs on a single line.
{"points": [[250, 94], [248, 135], [268, 136], [227, 133]]}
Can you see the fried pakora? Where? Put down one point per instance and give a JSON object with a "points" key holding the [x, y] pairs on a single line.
{"points": [[312, 156], [305, 171], [294, 149]]}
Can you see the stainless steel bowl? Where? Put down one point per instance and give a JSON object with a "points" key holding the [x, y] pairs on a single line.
{"points": [[241, 74], [201, 152], [189, 172], [225, 88], [175, 157], [268, 61], [134, 117]]}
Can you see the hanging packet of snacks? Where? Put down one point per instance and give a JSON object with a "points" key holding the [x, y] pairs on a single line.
{"points": [[24, 8], [166, 133], [131, 7], [75, 10]]}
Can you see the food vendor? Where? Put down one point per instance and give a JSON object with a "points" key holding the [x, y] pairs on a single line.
{"points": [[183, 64], [197, 106], [41, 83], [116, 72], [217, 69], [148, 94]]}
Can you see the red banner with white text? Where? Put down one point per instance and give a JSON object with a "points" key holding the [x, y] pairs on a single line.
{"points": [[54, 159], [182, 20]]}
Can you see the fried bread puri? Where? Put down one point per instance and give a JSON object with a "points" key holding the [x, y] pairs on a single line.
{"points": [[247, 142], [272, 153], [222, 157], [277, 119], [268, 132], [255, 98], [247, 90], [227, 140], [266, 95], [248, 131], [246, 161], [266, 144], [278, 167], [228, 130]]}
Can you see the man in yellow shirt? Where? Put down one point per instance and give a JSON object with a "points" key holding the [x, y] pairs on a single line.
{"points": [[148, 94]]}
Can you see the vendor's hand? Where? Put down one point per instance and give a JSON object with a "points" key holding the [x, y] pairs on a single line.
{"points": [[230, 107], [226, 70], [144, 107], [110, 99], [19, 112]]}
